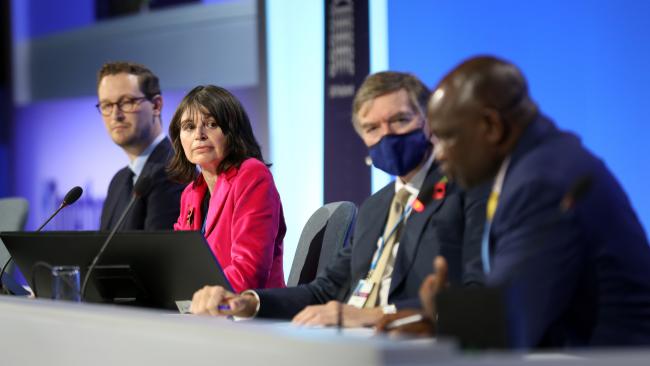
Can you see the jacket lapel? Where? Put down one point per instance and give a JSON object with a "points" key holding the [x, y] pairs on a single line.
{"points": [[116, 203], [415, 226], [158, 156], [366, 241], [193, 219], [218, 199]]}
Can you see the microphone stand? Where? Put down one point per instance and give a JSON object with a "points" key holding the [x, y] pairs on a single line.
{"points": [[63, 204], [141, 187]]}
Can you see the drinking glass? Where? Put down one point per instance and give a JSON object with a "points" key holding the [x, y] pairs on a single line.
{"points": [[65, 283]]}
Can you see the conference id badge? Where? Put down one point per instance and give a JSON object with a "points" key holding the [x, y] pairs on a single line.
{"points": [[361, 293]]}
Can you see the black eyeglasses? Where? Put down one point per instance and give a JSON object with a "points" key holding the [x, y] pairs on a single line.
{"points": [[126, 105]]}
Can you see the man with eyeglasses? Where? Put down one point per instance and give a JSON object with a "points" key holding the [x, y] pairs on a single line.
{"points": [[130, 104]]}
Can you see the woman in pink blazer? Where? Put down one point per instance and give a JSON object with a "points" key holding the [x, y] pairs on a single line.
{"points": [[231, 198]]}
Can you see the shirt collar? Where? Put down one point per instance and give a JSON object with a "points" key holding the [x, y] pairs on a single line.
{"points": [[137, 164], [416, 182]]}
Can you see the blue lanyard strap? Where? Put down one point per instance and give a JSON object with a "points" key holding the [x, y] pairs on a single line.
{"points": [[485, 247], [382, 240]]}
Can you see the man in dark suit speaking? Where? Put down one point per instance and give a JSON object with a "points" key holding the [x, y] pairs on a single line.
{"points": [[399, 229], [562, 239], [130, 104]]}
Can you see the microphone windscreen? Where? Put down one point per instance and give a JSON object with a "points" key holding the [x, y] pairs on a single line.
{"points": [[72, 196], [142, 186]]}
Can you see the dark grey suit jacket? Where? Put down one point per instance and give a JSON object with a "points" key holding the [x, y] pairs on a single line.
{"points": [[156, 210], [451, 226]]}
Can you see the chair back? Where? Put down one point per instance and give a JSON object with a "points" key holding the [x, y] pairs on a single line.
{"points": [[13, 215], [327, 230]]}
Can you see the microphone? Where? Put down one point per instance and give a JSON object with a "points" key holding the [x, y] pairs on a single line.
{"points": [[141, 188], [71, 197]]}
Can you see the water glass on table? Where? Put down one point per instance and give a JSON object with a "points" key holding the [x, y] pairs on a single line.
{"points": [[65, 283]]}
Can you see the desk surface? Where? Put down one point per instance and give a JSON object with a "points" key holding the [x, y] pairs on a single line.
{"points": [[42, 332]]}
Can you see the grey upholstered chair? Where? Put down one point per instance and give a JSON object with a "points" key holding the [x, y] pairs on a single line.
{"points": [[13, 214], [327, 230]]}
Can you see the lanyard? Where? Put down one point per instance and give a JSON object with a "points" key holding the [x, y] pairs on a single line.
{"points": [[493, 202], [382, 240]]}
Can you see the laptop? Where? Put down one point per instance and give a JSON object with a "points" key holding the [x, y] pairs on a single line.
{"points": [[149, 269]]}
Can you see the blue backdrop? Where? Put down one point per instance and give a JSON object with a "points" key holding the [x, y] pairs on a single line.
{"points": [[587, 63]]}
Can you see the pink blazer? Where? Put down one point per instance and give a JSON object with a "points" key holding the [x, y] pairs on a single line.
{"points": [[245, 224]]}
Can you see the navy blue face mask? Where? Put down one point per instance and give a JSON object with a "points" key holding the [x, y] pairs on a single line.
{"points": [[399, 154]]}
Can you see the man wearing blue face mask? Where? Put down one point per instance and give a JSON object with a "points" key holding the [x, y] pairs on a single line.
{"points": [[398, 232]]}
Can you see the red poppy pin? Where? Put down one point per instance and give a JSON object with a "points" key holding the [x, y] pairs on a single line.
{"points": [[190, 216], [440, 189], [418, 206]]}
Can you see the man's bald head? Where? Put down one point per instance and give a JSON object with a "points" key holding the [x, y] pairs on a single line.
{"points": [[478, 112], [487, 82]]}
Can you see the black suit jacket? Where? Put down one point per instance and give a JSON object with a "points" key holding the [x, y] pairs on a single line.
{"points": [[156, 210], [451, 226]]}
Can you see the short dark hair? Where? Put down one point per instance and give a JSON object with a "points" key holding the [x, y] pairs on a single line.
{"points": [[147, 80], [385, 82], [231, 117]]}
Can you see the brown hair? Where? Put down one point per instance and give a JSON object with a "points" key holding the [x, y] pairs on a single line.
{"points": [[231, 117], [147, 80], [385, 82]]}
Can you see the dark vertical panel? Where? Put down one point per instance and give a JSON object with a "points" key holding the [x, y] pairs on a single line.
{"points": [[5, 34], [5, 96], [261, 123], [346, 65]]}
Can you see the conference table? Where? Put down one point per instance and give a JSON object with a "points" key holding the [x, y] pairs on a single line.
{"points": [[46, 332]]}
